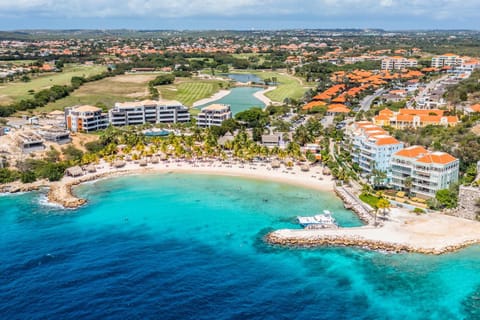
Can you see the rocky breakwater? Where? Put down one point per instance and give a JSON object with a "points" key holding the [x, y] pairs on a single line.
{"points": [[61, 193], [17, 186], [354, 238]]}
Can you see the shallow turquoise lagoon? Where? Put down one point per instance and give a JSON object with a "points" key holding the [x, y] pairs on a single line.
{"points": [[240, 99]]}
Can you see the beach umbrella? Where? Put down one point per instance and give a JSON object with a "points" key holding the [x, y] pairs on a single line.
{"points": [[275, 164], [305, 167]]}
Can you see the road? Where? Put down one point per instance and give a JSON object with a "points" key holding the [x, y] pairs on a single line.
{"points": [[367, 101]]}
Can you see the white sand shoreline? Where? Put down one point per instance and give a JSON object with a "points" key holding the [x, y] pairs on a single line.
{"points": [[260, 95], [219, 95], [60, 192]]}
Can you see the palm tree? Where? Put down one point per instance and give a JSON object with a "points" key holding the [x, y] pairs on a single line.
{"points": [[383, 205], [408, 183]]}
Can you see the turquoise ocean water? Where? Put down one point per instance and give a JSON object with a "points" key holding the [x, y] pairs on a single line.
{"points": [[178, 246]]}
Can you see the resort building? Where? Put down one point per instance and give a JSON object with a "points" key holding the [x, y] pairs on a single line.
{"points": [[398, 63], [422, 172], [372, 147], [447, 59], [413, 118], [85, 118], [29, 141], [213, 115], [148, 111], [57, 135]]}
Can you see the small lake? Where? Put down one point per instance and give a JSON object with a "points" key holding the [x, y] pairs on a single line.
{"points": [[239, 99], [243, 77]]}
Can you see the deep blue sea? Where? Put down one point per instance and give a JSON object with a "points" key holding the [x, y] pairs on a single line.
{"points": [[179, 246]]}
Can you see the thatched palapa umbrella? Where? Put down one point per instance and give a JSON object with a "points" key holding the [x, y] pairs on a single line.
{"points": [[275, 164], [119, 163]]}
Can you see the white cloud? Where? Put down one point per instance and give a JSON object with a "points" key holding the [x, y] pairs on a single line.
{"points": [[327, 9]]}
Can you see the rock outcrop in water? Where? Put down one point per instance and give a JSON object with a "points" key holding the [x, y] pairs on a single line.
{"points": [[61, 194]]}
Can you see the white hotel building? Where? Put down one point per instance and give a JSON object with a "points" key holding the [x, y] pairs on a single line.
{"points": [[372, 147], [398, 63], [148, 111], [429, 171], [213, 115], [447, 59], [85, 118]]}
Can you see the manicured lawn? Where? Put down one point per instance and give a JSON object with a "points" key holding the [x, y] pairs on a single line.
{"points": [[130, 87], [15, 91], [288, 87], [122, 88], [369, 199], [187, 91]]}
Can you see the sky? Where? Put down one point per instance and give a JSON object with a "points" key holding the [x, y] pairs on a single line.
{"points": [[239, 14]]}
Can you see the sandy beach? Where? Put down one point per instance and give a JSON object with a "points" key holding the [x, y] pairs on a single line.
{"points": [[219, 95], [60, 192]]}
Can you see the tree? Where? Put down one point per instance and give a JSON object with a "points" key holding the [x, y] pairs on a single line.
{"points": [[253, 117], [28, 176], [447, 198], [408, 184], [72, 154], [52, 155], [383, 204]]}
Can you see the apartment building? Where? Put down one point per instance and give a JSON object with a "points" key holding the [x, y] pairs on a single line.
{"points": [[423, 172], [447, 59], [85, 118], [148, 111], [213, 115], [413, 118], [398, 63], [372, 147]]}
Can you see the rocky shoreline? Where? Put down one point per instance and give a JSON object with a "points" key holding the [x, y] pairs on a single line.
{"points": [[276, 238]]}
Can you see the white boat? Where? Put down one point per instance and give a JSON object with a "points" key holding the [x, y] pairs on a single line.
{"points": [[318, 221]]}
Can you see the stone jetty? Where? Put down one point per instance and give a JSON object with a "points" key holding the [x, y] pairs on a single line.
{"points": [[351, 202], [404, 232]]}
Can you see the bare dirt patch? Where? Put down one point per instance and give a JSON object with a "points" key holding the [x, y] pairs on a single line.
{"points": [[137, 78]]}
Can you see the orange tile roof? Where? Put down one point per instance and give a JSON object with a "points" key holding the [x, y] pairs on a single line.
{"points": [[475, 107], [437, 157], [405, 117], [313, 104], [340, 99], [386, 112], [430, 119], [322, 96], [452, 119], [416, 112], [338, 108], [381, 118], [411, 152], [385, 140]]}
